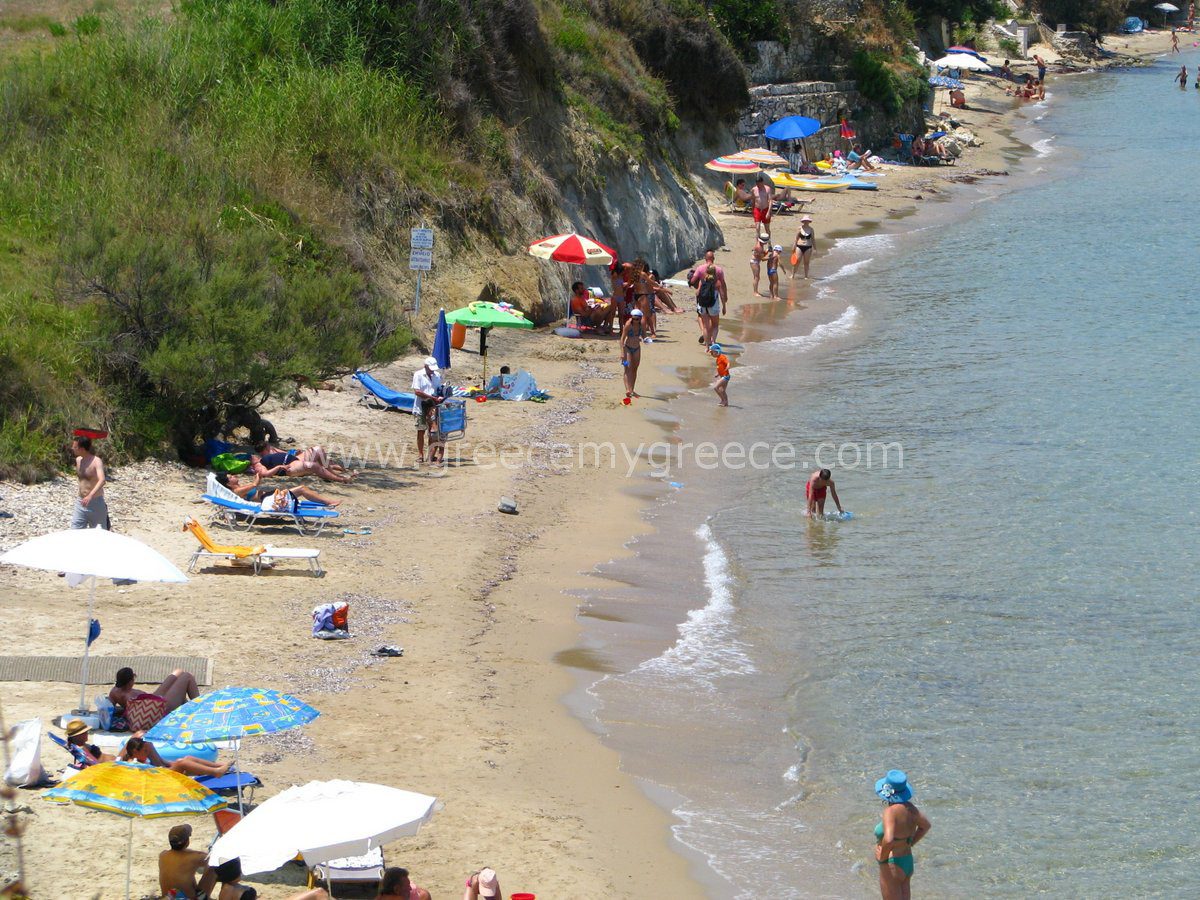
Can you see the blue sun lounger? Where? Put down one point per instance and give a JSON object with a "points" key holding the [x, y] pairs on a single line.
{"points": [[229, 782], [232, 509], [452, 415], [381, 397]]}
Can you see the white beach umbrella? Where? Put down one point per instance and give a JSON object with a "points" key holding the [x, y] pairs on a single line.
{"points": [[1167, 7], [86, 554], [962, 61], [322, 821]]}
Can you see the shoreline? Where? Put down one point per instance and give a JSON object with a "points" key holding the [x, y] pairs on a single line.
{"points": [[472, 712]]}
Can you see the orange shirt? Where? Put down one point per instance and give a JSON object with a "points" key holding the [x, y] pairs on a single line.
{"points": [[722, 365]]}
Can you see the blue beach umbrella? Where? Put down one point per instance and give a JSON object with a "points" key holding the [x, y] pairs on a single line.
{"points": [[792, 128], [441, 342], [232, 713]]}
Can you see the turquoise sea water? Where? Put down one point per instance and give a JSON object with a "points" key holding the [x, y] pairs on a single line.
{"points": [[1012, 615]]}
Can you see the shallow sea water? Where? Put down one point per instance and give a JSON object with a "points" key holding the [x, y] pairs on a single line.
{"points": [[1011, 615]]}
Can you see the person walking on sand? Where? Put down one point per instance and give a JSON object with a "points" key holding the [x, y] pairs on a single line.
{"points": [[762, 207], [721, 385], [711, 290], [1182, 77], [901, 826], [631, 350], [819, 483], [1174, 40], [91, 509], [757, 255], [774, 260], [802, 249]]}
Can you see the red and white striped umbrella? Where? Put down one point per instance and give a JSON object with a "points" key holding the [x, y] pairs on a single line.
{"points": [[573, 248]]}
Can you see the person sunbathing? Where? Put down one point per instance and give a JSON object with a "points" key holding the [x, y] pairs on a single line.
{"points": [[597, 313], [176, 689], [85, 754], [252, 491], [269, 460], [137, 749]]}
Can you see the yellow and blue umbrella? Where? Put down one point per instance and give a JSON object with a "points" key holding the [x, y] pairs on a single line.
{"points": [[232, 713], [135, 791]]}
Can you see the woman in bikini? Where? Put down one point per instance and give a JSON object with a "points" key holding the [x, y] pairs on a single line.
{"points": [[142, 751], [631, 350], [757, 255], [177, 689], [806, 242], [901, 827]]}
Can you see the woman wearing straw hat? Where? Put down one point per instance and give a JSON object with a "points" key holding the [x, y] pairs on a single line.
{"points": [[901, 827]]}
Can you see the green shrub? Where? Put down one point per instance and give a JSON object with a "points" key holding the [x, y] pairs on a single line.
{"points": [[745, 21], [879, 82], [1010, 48]]}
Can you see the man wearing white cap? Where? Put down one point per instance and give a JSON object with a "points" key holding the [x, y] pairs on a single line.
{"points": [[426, 386]]}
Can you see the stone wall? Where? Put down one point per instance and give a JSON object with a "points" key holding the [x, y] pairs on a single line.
{"points": [[828, 102]]}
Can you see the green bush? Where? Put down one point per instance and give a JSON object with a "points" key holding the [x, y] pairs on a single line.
{"points": [[1010, 48], [879, 82], [744, 21]]}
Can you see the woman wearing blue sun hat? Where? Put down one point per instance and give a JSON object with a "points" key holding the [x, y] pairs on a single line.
{"points": [[902, 826]]}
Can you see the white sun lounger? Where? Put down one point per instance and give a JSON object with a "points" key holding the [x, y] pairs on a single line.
{"points": [[364, 869], [268, 557]]}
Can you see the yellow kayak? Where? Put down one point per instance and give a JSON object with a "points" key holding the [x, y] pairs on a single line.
{"points": [[798, 183]]}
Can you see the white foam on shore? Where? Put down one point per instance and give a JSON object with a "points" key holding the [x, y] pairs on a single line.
{"points": [[843, 324], [707, 647], [865, 242], [848, 269], [1043, 147]]}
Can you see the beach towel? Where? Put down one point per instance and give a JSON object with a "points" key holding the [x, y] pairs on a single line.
{"points": [[520, 386], [233, 463]]}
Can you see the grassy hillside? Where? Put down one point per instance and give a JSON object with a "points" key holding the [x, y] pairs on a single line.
{"points": [[197, 208]]}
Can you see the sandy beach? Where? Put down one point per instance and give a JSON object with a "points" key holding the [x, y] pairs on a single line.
{"points": [[472, 712]]}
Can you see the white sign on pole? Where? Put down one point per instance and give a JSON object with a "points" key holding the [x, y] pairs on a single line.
{"points": [[420, 260], [422, 239]]}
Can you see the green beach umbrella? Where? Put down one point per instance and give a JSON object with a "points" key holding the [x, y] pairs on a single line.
{"points": [[485, 316]]}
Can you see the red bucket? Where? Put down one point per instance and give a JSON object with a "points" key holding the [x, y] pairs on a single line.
{"points": [[522, 897]]}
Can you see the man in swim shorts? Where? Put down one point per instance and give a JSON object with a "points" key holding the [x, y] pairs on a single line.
{"points": [[762, 194], [819, 483]]}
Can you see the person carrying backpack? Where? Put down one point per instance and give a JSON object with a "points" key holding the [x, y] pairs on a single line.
{"points": [[711, 293]]}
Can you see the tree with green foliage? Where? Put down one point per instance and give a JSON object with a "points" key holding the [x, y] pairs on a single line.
{"points": [[1105, 15]]}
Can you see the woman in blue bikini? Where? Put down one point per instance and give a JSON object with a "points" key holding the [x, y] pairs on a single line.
{"points": [[902, 826]]}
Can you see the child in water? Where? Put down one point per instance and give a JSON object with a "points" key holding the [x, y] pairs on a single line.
{"points": [[721, 385]]}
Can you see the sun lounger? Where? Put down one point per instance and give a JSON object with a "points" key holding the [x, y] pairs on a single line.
{"points": [[257, 556], [232, 510], [452, 414], [230, 782], [365, 869], [80, 757], [379, 396]]}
